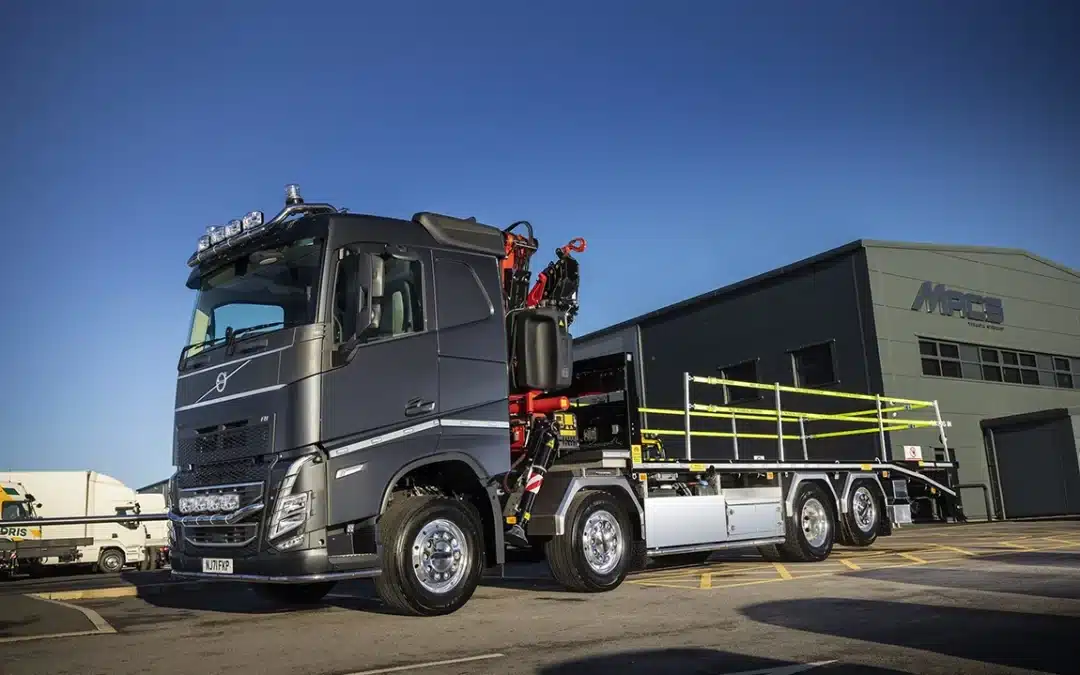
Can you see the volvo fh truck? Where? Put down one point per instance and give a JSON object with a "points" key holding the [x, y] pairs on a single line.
{"points": [[362, 396]]}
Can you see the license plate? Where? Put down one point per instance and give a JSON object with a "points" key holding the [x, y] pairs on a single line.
{"points": [[217, 565]]}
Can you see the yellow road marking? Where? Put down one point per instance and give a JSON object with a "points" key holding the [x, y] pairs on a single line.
{"points": [[1020, 547], [694, 572], [657, 584], [1062, 541], [955, 549], [703, 584]]}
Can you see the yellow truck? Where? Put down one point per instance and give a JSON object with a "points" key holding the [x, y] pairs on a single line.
{"points": [[22, 547]]}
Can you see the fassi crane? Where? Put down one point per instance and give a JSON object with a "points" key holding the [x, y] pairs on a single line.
{"points": [[537, 429]]}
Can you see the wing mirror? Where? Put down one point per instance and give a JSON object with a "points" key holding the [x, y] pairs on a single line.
{"points": [[370, 308]]}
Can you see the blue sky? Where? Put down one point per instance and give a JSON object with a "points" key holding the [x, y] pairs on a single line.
{"points": [[718, 139]]}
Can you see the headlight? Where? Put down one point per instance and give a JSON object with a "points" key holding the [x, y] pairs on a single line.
{"points": [[290, 510], [290, 514]]}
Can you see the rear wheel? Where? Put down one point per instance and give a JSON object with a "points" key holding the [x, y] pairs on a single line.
{"points": [[432, 555], [596, 551], [294, 594], [811, 532], [864, 512]]}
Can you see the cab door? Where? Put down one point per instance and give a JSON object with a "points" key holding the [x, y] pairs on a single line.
{"points": [[380, 402]]}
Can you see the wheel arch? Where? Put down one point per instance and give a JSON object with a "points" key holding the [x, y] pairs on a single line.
{"points": [[549, 513], [820, 479], [849, 485], [877, 490], [466, 475]]}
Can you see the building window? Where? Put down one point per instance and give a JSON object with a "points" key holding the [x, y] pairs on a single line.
{"points": [[814, 366], [743, 372], [976, 362], [1062, 373], [940, 359]]}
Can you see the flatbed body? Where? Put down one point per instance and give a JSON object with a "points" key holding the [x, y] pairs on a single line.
{"points": [[709, 502]]}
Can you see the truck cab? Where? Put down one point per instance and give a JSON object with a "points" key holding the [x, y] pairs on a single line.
{"points": [[343, 388]]}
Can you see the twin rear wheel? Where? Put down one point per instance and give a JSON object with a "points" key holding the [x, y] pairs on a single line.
{"points": [[812, 531]]}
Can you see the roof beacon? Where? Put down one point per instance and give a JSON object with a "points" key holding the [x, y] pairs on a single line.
{"points": [[292, 195]]}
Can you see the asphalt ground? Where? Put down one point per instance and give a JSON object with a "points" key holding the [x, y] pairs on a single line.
{"points": [[988, 598]]}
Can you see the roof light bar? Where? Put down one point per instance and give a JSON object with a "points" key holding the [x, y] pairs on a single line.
{"points": [[241, 230]]}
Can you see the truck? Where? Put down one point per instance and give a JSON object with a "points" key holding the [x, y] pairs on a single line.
{"points": [[362, 396], [22, 547], [107, 547]]}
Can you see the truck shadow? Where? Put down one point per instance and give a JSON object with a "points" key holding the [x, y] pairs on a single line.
{"points": [[1043, 642], [690, 660], [1063, 585]]}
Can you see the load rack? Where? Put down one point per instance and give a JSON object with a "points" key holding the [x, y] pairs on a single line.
{"points": [[702, 496]]}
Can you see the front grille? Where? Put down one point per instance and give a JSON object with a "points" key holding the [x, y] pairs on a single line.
{"points": [[194, 550], [248, 478], [223, 443], [221, 535], [251, 470]]}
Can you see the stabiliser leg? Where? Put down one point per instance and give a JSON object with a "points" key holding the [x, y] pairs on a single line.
{"points": [[543, 444]]}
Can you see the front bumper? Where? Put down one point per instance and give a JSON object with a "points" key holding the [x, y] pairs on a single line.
{"points": [[312, 565]]}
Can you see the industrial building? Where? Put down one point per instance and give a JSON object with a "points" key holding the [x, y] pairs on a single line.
{"points": [[992, 334]]}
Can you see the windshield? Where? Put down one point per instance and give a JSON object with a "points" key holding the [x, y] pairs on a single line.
{"points": [[14, 511], [270, 288]]}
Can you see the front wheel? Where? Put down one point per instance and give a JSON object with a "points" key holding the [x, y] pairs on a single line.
{"points": [[596, 551], [432, 555]]}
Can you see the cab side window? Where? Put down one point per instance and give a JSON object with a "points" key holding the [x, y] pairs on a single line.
{"points": [[402, 303], [360, 318]]}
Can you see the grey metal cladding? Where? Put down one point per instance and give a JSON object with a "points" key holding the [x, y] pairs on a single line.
{"points": [[818, 303]]}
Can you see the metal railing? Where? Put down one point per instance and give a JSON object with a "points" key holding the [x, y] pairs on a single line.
{"points": [[873, 420], [86, 520]]}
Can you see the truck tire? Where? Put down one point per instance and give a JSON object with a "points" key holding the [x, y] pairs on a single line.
{"points": [[811, 531], [597, 550], [864, 513], [110, 561], [432, 556], [293, 594]]}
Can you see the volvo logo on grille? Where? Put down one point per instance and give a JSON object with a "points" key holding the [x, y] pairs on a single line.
{"points": [[222, 381]]}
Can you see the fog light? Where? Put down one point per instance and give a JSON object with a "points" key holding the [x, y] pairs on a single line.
{"points": [[291, 542]]}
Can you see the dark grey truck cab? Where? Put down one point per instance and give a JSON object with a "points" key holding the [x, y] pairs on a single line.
{"points": [[337, 360]]}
